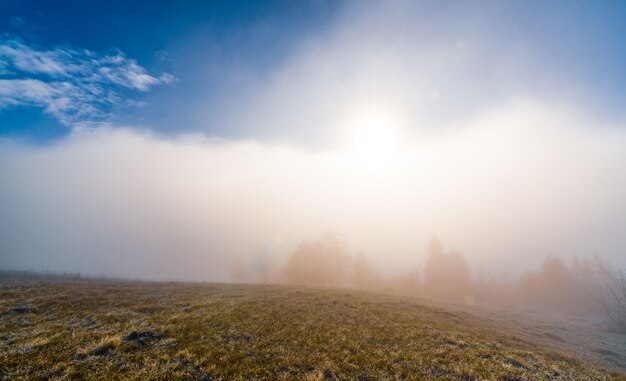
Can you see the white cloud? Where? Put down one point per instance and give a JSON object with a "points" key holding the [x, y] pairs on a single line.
{"points": [[65, 101], [71, 84], [23, 58]]}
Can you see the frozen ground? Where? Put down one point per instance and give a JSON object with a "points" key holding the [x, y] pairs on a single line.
{"points": [[581, 337]]}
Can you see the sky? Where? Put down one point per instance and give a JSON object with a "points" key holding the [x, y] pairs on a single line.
{"points": [[169, 139]]}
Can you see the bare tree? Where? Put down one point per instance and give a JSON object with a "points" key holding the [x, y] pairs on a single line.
{"points": [[615, 297], [262, 264]]}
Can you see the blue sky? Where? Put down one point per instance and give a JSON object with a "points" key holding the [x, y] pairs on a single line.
{"points": [[234, 38], [210, 61]]}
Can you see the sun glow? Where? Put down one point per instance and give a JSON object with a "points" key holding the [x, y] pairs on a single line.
{"points": [[373, 139]]}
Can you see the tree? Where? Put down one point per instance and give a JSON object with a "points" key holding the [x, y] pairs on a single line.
{"points": [[550, 287], [614, 297], [362, 274], [406, 283], [338, 257], [262, 264], [323, 262], [446, 275], [239, 272]]}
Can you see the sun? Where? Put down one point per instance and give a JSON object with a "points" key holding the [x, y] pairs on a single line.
{"points": [[372, 138]]}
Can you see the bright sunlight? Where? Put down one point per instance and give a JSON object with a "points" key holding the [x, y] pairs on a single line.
{"points": [[373, 138]]}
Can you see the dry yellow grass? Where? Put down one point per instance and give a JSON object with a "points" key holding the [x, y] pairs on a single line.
{"points": [[63, 329]]}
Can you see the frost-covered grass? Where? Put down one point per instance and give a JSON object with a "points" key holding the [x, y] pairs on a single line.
{"points": [[86, 329]]}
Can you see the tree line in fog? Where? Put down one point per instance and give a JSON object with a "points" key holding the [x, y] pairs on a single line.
{"points": [[586, 286]]}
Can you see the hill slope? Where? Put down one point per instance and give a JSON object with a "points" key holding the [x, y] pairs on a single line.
{"points": [[136, 330]]}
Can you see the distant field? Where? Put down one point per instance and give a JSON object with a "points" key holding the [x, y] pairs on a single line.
{"points": [[78, 329]]}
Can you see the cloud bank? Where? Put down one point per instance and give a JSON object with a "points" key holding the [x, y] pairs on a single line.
{"points": [[507, 188]]}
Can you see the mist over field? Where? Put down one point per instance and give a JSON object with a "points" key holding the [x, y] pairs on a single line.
{"points": [[506, 190], [376, 123]]}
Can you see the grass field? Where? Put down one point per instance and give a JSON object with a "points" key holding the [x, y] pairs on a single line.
{"points": [[64, 329]]}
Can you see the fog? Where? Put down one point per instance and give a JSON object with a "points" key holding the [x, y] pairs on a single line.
{"points": [[486, 146], [506, 189]]}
